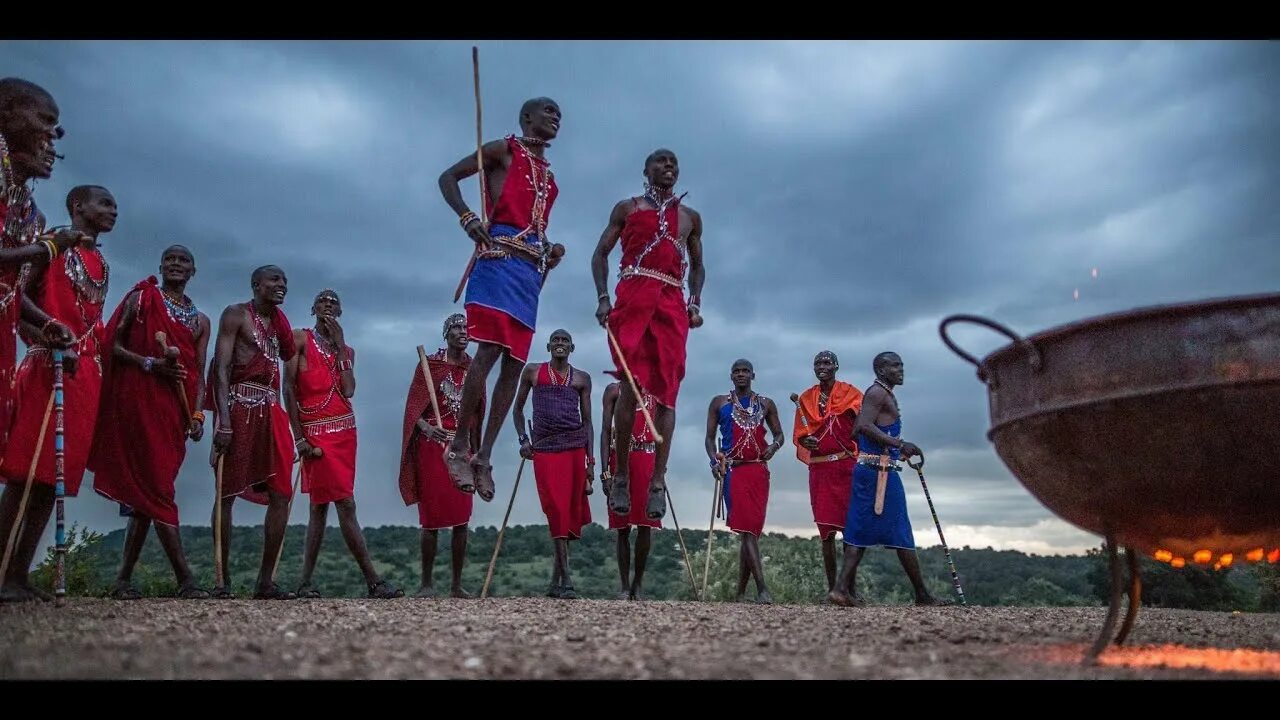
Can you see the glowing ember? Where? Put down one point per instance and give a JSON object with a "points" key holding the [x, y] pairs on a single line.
{"points": [[1172, 657], [1226, 559], [1202, 556], [1273, 557], [1163, 555], [1217, 566], [1179, 562], [1254, 555]]}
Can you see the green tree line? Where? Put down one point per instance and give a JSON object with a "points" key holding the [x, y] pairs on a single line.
{"points": [[793, 569]]}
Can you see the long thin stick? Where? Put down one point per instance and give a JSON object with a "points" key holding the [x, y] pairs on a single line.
{"points": [[431, 384], [484, 199], [178, 385], [693, 584], [59, 484], [657, 437], [297, 480], [955, 577], [715, 506], [217, 524], [484, 592], [26, 491]]}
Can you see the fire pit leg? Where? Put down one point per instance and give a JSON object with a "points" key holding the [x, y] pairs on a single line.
{"points": [[1135, 595], [1108, 625]]}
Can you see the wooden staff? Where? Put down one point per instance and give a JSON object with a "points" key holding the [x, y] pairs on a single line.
{"points": [[484, 592], [178, 386], [297, 480], [26, 490], [217, 524], [59, 485], [431, 384], [657, 437], [693, 584], [715, 508], [484, 213]]}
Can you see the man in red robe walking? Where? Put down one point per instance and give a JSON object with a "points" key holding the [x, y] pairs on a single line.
{"points": [[145, 419]]}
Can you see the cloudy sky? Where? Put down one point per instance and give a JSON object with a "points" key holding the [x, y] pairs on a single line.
{"points": [[853, 194]]}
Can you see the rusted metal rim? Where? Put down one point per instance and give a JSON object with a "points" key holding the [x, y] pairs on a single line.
{"points": [[1120, 397]]}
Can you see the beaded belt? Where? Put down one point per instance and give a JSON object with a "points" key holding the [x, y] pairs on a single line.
{"points": [[647, 447], [633, 271], [514, 248], [874, 462], [330, 425], [247, 394]]}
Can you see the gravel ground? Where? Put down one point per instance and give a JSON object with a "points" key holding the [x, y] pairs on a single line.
{"points": [[550, 639]]}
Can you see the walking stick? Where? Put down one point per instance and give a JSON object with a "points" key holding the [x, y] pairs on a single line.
{"points": [[217, 525], [26, 490], [59, 485], [484, 592], [715, 509], [484, 214], [163, 340], [955, 578], [657, 437], [693, 584], [297, 480], [431, 384]]}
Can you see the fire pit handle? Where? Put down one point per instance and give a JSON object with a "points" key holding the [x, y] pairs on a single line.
{"points": [[1032, 352]]}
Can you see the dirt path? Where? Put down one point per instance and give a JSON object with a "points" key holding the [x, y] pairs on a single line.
{"points": [[538, 638]]}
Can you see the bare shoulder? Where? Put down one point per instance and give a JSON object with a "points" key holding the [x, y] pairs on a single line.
{"points": [[232, 316], [873, 394], [582, 378], [530, 371], [299, 336], [622, 208], [718, 402]]}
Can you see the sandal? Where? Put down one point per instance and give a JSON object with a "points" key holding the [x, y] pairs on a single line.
{"points": [[384, 590], [459, 468], [619, 493], [222, 592], [308, 591], [483, 474], [128, 592], [273, 592], [191, 592], [657, 506]]}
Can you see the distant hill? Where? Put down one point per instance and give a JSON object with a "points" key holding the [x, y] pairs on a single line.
{"points": [[793, 569]]}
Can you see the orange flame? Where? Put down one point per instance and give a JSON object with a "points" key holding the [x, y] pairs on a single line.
{"points": [[1202, 556], [1226, 559], [1254, 555], [1163, 555], [1179, 562], [1273, 557]]}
